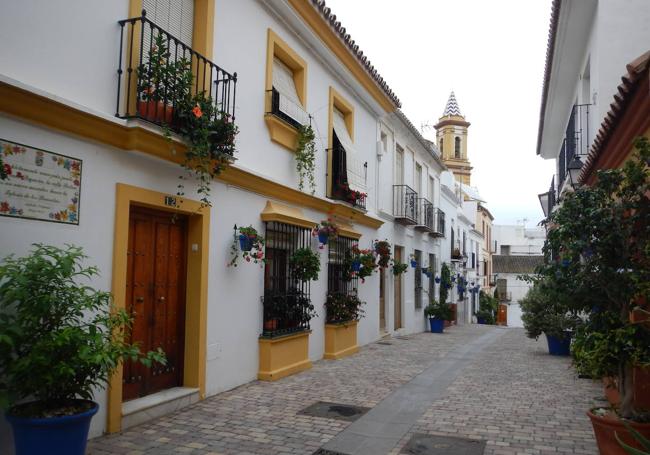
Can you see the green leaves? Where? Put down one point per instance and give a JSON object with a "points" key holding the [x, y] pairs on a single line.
{"points": [[59, 339], [306, 157]]}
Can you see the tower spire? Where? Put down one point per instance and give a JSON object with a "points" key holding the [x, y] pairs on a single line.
{"points": [[452, 106]]}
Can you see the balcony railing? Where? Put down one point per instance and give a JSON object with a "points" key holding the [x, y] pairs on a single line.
{"points": [[285, 109], [405, 204], [341, 190], [439, 226], [576, 140], [158, 74], [425, 215]]}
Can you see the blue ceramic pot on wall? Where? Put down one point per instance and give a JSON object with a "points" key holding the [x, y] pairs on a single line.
{"points": [[245, 242], [559, 346], [66, 435], [322, 238]]}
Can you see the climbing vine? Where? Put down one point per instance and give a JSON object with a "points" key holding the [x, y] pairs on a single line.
{"points": [[306, 158]]}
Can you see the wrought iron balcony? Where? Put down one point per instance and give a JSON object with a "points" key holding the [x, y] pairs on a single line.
{"points": [[405, 204], [287, 110], [159, 76], [425, 215], [576, 140], [341, 189], [439, 223]]}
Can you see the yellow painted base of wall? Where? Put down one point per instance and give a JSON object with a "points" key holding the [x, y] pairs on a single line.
{"points": [[284, 356], [340, 340]]}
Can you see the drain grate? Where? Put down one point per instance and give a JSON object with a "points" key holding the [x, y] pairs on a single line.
{"points": [[327, 452], [427, 444], [385, 343], [334, 411]]}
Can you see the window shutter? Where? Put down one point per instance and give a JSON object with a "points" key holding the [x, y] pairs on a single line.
{"points": [[289, 102], [355, 166], [173, 16]]}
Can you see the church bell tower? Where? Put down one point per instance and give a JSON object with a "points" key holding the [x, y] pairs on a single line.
{"points": [[451, 133]]}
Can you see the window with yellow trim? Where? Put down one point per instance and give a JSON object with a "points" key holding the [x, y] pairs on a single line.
{"points": [[286, 91]]}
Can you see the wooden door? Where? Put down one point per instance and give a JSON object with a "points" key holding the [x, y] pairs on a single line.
{"points": [[155, 298], [398, 290], [382, 300]]}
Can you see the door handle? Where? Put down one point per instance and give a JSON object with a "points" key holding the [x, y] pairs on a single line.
{"points": [[139, 299], [161, 298]]}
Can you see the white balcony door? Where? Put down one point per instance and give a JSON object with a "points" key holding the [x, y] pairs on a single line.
{"points": [[418, 179], [399, 166]]}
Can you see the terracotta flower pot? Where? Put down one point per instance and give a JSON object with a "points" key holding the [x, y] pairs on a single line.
{"points": [[270, 325], [156, 111], [610, 389], [605, 428], [641, 384]]}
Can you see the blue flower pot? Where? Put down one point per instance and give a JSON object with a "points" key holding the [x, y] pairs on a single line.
{"points": [[559, 346], [437, 325], [481, 320], [65, 435], [356, 266], [245, 242], [414, 264], [437, 279], [322, 238]]}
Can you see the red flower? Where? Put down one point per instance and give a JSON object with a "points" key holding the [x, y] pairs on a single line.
{"points": [[197, 111], [7, 169], [4, 206]]}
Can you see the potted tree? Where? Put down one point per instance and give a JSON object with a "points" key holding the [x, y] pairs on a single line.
{"points": [[438, 313], [60, 340], [445, 286], [343, 311], [546, 312], [602, 243]]}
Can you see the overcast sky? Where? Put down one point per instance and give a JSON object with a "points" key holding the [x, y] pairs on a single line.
{"points": [[491, 53]]}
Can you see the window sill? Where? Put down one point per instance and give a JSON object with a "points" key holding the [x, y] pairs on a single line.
{"points": [[281, 132]]}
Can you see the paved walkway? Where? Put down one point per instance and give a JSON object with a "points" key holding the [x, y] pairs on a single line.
{"points": [[476, 382]]}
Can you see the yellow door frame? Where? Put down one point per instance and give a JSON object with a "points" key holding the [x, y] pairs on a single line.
{"points": [[197, 285]]}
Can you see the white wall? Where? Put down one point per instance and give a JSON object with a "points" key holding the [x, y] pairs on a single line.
{"points": [[522, 241], [518, 289]]}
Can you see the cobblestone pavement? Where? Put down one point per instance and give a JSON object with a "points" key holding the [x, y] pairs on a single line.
{"points": [[514, 395]]}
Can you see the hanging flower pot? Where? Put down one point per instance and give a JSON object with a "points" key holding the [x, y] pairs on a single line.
{"points": [[322, 238], [245, 242], [437, 279], [356, 266], [414, 263]]}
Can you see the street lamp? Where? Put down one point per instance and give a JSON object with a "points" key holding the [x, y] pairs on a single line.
{"points": [[573, 169], [543, 200]]}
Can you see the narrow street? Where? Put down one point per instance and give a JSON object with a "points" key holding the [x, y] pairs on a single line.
{"points": [[475, 382]]}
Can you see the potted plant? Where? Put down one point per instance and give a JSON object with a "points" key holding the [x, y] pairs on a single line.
{"points": [[601, 247], [487, 309], [546, 312], [383, 251], [162, 82], [399, 267], [305, 264], [306, 157], [251, 245], [61, 340], [413, 260], [437, 313], [342, 308], [326, 230], [367, 264]]}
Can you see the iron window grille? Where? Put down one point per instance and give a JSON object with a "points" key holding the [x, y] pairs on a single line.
{"points": [[418, 279], [286, 302], [433, 269], [576, 140], [341, 190], [405, 204], [137, 40], [287, 110], [440, 223], [340, 280]]}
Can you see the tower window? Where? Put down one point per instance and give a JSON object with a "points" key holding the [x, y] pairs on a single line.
{"points": [[441, 144], [457, 148]]}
